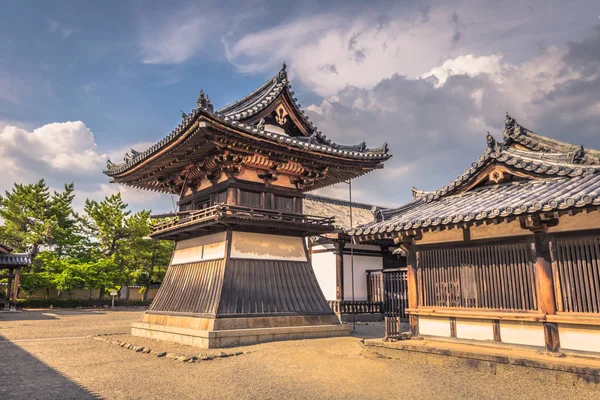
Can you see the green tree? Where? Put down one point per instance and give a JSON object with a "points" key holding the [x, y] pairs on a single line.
{"points": [[34, 218]]}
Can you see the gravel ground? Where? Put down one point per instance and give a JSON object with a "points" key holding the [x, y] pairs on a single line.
{"points": [[47, 354]]}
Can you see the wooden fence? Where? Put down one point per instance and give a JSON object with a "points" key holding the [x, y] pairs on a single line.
{"points": [[349, 307]]}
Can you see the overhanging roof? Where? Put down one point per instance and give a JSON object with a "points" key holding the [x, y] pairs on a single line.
{"points": [[543, 182], [241, 121]]}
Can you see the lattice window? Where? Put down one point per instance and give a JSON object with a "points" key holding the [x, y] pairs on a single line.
{"points": [[490, 277], [577, 269]]}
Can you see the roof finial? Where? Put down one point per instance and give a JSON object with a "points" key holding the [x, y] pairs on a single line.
{"points": [[204, 102], [491, 141], [282, 74], [509, 121], [109, 164]]}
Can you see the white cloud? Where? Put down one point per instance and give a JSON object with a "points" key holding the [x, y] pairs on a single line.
{"points": [[64, 152], [61, 146], [174, 41]]}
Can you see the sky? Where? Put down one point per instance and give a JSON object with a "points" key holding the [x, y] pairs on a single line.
{"points": [[81, 82]]}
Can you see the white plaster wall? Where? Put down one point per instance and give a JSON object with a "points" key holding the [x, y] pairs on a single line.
{"points": [[260, 246], [207, 247], [525, 333], [434, 326], [361, 265], [325, 269], [476, 329], [579, 337]]}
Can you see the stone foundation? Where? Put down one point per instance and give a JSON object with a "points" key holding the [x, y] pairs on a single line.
{"points": [[231, 332]]}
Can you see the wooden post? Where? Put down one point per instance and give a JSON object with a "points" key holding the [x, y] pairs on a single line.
{"points": [[16, 286], [545, 287], [231, 196], [339, 270], [411, 277]]}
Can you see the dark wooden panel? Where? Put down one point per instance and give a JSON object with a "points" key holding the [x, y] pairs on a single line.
{"points": [[493, 276], [270, 287], [576, 264], [193, 288]]}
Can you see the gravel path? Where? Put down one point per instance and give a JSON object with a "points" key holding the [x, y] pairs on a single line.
{"points": [[46, 354]]}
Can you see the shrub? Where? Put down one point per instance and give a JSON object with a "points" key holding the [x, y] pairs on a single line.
{"points": [[74, 303]]}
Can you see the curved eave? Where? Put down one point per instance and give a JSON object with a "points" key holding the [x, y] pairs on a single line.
{"points": [[187, 127], [492, 203], [513, 159]]}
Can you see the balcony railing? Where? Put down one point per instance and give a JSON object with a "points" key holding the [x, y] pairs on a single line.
{"points": [[227, 213]]}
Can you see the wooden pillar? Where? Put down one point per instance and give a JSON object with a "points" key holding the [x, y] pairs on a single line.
{"points": [[16, 287], [9, 287], [339, 270], [411, 277], [231, 196], [545, 287]]}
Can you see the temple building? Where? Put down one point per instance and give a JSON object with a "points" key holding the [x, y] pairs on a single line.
{"points": [[11, 263], [240, 272], [509, 251]]}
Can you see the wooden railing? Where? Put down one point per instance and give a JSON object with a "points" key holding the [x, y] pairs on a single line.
{"points": [[227, 211], [349, 307]]}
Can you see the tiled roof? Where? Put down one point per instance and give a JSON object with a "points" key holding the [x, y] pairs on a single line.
{"points": [[233, 115], [551, 181], [15, 259], [543, 164], [517, 134], [340, 209], [489, 202]]}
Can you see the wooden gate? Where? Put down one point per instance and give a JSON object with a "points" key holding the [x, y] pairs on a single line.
{"points": [[390, 288]]}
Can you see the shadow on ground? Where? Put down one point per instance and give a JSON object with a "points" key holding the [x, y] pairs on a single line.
{"points": [[43, 314], [32, 379]]}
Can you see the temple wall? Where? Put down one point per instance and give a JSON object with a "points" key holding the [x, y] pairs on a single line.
{"points": [[203, 248], [523, 333], [434, 326], [580, 337], [577, 222], [449, 235], [361, 265], [510, 229], [476, 329], [261, 246], [325, 269]]}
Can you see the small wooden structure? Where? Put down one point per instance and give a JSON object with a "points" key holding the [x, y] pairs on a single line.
{"points": [[240, 272], [10, 268], [509, 251]]}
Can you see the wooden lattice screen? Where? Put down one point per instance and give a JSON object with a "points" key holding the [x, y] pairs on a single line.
{"points": [[490, 277], [576, 265]]}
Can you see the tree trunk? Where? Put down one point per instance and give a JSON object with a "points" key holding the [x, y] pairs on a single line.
{"points": [[149, 282], [101, 295]]}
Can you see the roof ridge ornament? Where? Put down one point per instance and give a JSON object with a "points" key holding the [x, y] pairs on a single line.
{"points": [[509, 122], [282, 75], [203, 102]]}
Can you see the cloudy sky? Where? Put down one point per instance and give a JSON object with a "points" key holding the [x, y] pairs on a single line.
{"points": [[84, 81]]}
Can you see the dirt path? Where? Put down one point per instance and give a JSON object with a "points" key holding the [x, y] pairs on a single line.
{"points": [[49, 356]]}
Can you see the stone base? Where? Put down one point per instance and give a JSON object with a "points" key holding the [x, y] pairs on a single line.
{"points": [[235, 337]]}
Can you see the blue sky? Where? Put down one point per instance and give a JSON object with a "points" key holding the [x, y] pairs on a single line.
{"points": [[84, 81]]}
